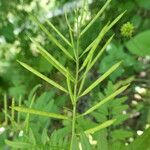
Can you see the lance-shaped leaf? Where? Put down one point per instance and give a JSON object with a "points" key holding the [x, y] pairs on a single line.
{"points": [[38, 112], [100, 127], [43, 77], [58, 32], [20, 145], [100, 53], [52, 60], [105, 100], [52, 38], [115, 21], [95, 18], [90, 64], [70, 88], [101, 78], [95, 45]]}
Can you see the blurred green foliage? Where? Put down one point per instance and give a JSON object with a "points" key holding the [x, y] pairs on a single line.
{"points": [[16, 23]]}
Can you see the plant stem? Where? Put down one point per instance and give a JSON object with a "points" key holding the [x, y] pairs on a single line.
{"points": [[75, 87], [75, 100], [73, 126]]}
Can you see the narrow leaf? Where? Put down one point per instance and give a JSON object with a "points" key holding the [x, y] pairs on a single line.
{"points": [[85, 144], [101, 78], [100, 127], [70, 88], [20, 145], [43, 77], [95, 45], [40, 113], [53, 39], [51, 59], [58, 32], [105, 29], [95, 18], [105, 100], [115, 20], [100, 53]]}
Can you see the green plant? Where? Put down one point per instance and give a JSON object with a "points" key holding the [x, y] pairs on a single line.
{"points": [[75, 80]]}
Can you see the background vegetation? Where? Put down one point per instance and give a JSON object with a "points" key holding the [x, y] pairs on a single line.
{"points": [[17, 85]]}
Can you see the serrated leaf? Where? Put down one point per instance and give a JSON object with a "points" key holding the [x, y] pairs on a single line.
{"points": [[53, 39], [141, 143], [85, 142], [121, 134], [99, 127], [40, 113], [105, 100], [43, 77], [20, 145], [101, 78], [95, 18], [32, 137], [44, 137], [75, 144]]}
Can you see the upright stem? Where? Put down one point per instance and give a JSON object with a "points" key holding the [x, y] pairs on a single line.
{"points": [[75, 87], [75, 98]]}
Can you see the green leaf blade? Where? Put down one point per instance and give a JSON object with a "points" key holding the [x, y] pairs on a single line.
{"points": [[100, 127], [53, 39], [101, 78], [58, 32], [95, 18], [40, 113], [105, 100], [18, 144], [100, 53], [43, 76]]}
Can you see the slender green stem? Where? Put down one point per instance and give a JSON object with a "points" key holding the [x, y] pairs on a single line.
{"points": [[19, 104], [75, 97], [12, 112], [73, 126], [75, 86], [5, 109]]}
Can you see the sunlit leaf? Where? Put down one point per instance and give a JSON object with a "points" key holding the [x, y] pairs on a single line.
{"points": [[43, 77], [100, 127], [58, 32], [105, 100], [70, 88], [52, 38], [51, 59], [38, 112], [95, 45], [101, 78], [100, 53], [95, 18]]}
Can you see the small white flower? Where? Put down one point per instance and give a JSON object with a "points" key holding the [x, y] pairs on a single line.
{"points": [[2, 129], [139, 132], [21, 133]]}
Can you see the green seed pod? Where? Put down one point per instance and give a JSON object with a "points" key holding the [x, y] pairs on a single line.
{"points": [[127, 29]]}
